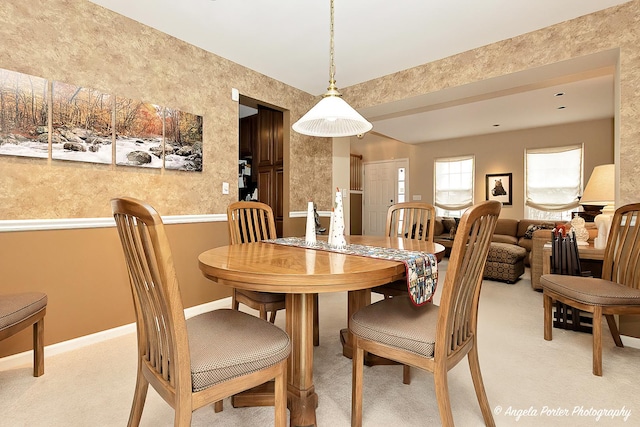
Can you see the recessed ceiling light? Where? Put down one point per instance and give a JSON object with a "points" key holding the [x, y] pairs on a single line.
{"points": [[562, 107], [559, 94]]}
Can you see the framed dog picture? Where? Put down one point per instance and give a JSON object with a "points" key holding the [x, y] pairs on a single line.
{"points": [[499, 187]]}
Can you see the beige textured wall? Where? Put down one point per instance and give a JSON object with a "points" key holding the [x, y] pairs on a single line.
{"points": [[84, 275], [494, 153], [78, 42], [613, 28]]}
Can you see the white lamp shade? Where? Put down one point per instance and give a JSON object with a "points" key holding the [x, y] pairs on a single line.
{"points": [[600, 190], [332, 117]]}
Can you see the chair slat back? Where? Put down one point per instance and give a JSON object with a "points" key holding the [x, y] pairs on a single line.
{"points": [[161, 325], [411, 220], [250, 222], [622, 254], [461, 288]]}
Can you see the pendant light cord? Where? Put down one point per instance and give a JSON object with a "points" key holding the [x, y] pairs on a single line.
{"points": [[332, 117], [332, 89]]}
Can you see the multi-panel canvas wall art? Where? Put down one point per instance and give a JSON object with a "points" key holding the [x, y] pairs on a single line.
{"points": [[81, 124], [183, 141], [86, 122], [23, 115], [139, 133]]}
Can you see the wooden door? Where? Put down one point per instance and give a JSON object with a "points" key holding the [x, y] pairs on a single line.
{"points": [[269, 161], [380, 192]]}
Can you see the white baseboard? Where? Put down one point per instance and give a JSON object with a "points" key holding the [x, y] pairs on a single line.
{"points": [[26, 358], [630, 341]]}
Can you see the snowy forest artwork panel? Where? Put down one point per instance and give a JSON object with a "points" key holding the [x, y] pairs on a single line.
{"points": [[23, 115], [152, 136], [139, 133], [81, 124], [183, 141]]}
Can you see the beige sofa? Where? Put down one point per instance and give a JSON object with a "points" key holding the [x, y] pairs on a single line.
{"points": [[508, 230]]}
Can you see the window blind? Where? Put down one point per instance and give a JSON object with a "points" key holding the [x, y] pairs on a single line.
{"points": [[553, 178], [454, 182]]}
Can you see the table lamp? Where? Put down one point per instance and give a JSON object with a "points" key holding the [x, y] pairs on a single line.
{"points": [[600, 191]]}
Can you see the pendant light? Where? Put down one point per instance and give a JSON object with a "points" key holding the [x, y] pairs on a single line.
{"points": [[332, 116]]}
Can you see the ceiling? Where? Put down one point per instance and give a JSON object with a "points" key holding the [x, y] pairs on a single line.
{"points": [[288, 40]]}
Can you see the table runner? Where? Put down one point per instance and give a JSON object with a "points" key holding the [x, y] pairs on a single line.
{"points": [[421, 267]]}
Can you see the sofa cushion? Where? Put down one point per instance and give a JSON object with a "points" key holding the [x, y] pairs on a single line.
{"points": [[438, 228], [525, 243], [503, 238], [507, 227]]}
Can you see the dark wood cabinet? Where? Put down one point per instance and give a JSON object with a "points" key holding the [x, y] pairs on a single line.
{"points": [[270, 137], [262, 140], [270, 160], [279, 210], [248, 133]]}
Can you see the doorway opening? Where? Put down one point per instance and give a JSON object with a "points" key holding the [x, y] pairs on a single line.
{"points": [[261, 156]]}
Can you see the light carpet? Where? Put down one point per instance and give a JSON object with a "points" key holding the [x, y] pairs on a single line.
{"points": [[529, 381]]}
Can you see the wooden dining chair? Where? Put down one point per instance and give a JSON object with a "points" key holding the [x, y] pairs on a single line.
{"points": [[252, 222], [616, 292], [410, 220], [430, 337], [195, 362], [18, 312]]}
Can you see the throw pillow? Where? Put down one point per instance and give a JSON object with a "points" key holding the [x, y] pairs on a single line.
{"points": [[532, 228], [448, 223]]}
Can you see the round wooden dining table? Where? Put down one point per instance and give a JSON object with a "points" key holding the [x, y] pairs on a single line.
{"points": [[301, 273]]}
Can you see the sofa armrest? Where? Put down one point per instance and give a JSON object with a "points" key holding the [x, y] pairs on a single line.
{"points": [[540, 237]]}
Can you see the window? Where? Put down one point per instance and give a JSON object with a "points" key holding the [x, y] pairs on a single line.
{"points": [[553, 182], [453, 185], [401, 185], [401, 197]]}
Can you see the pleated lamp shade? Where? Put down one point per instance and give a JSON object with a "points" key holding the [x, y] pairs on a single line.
{"points": [[332, 117], [600, 189]]}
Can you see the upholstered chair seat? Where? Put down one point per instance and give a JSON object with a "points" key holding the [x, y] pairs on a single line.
{"points": [[258, 347], [590, 290], [19, 311], [14, 308], [398, 323]]}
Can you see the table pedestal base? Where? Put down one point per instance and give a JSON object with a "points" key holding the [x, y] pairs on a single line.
{"points": [[261, 395], [302, 407]]}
